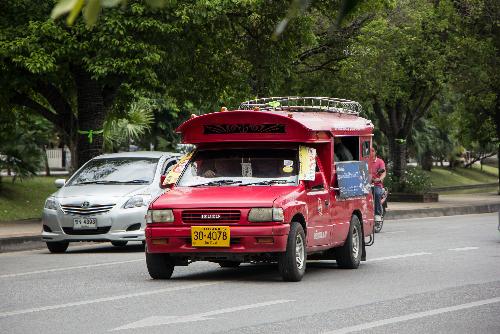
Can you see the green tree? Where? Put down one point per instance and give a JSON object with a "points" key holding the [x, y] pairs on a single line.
{"points": [[74, 76], [478, 75], [399, 65]]}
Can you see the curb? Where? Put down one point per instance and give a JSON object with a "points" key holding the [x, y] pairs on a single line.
{"points": [[10, 244], [438, 212]]}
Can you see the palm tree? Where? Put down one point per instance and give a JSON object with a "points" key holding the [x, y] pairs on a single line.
{"points": [[122, 130]]}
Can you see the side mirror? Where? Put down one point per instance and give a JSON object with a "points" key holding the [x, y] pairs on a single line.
{"points": [[60, 183], [317, 184]]}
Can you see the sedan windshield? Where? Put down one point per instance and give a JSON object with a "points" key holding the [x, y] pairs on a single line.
{"points": [[241, 167], [117, 171]]}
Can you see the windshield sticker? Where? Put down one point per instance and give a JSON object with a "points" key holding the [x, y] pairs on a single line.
{"points": [[307, 158], [246, 169], [288, 169], [176, 171], [288, 163]]}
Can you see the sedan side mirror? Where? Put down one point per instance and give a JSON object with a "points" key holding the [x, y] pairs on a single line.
{"points": [[60, 183]]}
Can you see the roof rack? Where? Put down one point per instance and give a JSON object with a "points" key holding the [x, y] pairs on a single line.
{"points": [[309, 104]]}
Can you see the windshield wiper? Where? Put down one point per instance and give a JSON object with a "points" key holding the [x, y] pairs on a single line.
{"points": [[216, 183], [112, 182], [266, 182]]}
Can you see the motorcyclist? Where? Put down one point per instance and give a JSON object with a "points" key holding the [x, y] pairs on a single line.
{"points": [[378, 173]]}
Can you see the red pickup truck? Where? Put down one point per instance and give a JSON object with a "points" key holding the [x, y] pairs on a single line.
{"points": [[266, 184]]}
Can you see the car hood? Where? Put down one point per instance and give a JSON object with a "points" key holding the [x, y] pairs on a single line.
{"points": [[102, 190], [217, 197]]}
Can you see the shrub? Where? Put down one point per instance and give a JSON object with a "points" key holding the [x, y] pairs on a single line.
{"points": [[414, 180]]}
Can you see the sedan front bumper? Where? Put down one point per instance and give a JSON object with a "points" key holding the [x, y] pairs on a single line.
{"points": [[116, 225]]}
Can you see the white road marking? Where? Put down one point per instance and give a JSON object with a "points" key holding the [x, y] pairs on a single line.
{"points": [[106, 299], [166, 320], [413, 316], [393, 232], [398, 256], [70, 268], [463, 249]]}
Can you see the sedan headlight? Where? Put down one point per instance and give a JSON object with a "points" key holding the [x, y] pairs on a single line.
{"points": [[135, 202], [266, 215], [51, 203], [160, 216]]}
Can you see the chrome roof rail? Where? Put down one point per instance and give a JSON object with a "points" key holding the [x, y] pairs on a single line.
{"points": [[308, 104]]}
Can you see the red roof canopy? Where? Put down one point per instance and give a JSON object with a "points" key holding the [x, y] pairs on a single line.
{"points": [[245, 125]]}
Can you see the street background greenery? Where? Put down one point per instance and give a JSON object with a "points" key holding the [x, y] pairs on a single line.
{"points": [[105, 74]]}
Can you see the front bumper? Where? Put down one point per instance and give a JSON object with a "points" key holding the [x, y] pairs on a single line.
{"points": [[116, 225], [244, 240]]}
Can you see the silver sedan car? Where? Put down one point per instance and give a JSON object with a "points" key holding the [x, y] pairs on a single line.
{"points": [[105, 200]]}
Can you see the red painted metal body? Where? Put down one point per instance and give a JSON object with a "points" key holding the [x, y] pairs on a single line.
{"points": [[326, 217]]}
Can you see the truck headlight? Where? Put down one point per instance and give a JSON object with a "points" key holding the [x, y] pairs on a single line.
{"points": [[265, 215], [51, 203], [135, 202], [160, 216]]}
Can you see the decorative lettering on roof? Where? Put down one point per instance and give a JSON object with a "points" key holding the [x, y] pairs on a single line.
{"points": [[243, 128]]}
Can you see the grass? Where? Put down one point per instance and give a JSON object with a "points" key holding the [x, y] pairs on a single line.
{"points": [[24, 199], [487, 169], [443, 177]]}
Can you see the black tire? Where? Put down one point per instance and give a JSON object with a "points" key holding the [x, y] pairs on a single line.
{"points": [[57, 247], [160, 266], [289, 264], [119, 243], [349, 255], [229, 264]]}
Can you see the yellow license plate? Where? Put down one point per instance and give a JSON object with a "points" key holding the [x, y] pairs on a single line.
{"points": [[210, 236]]}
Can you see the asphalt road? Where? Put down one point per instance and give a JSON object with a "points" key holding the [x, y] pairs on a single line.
{"points": [[429, 275]]}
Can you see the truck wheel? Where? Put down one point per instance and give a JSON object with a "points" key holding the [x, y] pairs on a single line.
{"points": [[349, 255], [119, 243], [292, 263], [160, 266], [229, 264], [57, 247]]}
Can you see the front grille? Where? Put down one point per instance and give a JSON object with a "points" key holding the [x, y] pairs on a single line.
{"points": [[91, 210], [210, 216], [99, 230]]}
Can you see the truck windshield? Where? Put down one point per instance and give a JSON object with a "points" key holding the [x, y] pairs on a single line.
{"points": [[241, 167]]}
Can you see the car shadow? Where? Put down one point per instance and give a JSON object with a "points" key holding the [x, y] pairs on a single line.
{"points": [[106, 248]]}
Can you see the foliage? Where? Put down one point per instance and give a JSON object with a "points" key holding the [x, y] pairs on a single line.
{"points": [[120, 131], [21, 139], [414, 180]]}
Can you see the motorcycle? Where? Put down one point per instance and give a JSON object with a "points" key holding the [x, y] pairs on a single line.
{"points": [[383, 200]]}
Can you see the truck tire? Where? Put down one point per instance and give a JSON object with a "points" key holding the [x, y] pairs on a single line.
{"points": [[349, 255], [57, 247], [229, 264], [292, 263], [160, 266]]}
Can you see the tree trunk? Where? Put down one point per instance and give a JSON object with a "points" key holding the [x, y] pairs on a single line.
{"points": [[91, 116], [427, 161], [46, 161], [398, 157]]}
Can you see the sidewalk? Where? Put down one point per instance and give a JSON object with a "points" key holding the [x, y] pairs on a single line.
{"points": [[25, 234]]}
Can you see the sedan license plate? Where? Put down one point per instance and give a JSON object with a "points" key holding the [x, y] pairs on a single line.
{"points": [[210, 236], [85, 223]]}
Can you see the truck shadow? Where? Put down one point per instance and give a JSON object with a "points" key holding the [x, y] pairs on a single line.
{"points": [[265, 272]]}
